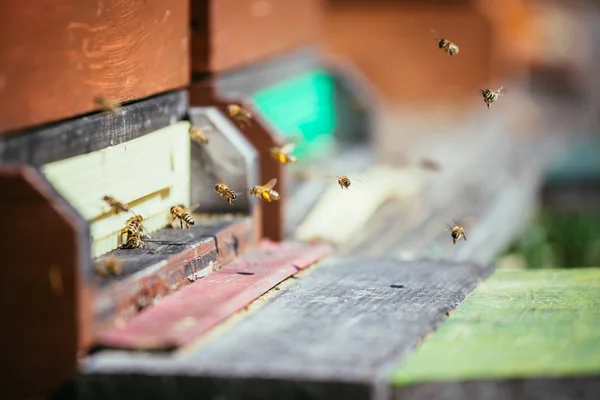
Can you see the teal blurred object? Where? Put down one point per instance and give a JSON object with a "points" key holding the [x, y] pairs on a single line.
{"points": [[580, 163], [302, 106]]}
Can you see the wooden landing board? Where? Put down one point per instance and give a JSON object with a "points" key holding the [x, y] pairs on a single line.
{"points": [[172, 259], [517, 331], [327, 335], [195, 310]]}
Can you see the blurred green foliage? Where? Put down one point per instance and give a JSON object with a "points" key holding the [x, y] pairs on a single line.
{"points": [[560, 240]]}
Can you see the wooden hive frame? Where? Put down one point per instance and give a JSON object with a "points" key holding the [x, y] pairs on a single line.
{"points": [[50, 180]]}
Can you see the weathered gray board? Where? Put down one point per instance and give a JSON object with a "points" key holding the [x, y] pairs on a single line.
{"points": [[331, 334]]}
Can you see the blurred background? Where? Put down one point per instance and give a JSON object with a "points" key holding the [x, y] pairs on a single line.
{"points": [[544, 53]]}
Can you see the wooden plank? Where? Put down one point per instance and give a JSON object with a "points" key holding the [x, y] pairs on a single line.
{"points": [[330, 334], [73, 52], [516, 326], [150, 174], [195, 310], [262, 137], [44, 285], [227, 34], [172, 259], [94, 132]]}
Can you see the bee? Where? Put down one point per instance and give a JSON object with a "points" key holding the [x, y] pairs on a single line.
{"points": [[110, 266], [344, 181], [447, 46], [490, 96], [117, 206], [456, 232], [266, 191], [180, 212], [134, 241], [198, 136], [133, 226], [239, 114], [282, 154], [225, 192], [107, 105], [429, 164]]}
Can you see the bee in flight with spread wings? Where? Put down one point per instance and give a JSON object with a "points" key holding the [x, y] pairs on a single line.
{"points": [[182, 213], [490, 95], [198, 135], [240, 114], [266, 191], [445, 45], [225, 192], [283, 154], [456, 232]]}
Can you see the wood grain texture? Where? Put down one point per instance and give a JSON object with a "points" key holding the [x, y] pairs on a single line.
{"points": [[227, 34], [195, 310], [517, 325], [328, 335], [94, 132], [73, 51], [44, 285], [173, 259]]}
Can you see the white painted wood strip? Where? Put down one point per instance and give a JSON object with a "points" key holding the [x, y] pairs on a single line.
{"points": [[341, 213], [152, 172]]}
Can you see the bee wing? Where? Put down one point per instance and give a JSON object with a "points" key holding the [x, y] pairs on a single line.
{"points": [[435, 35], [270, 184], [288, 148], [501, 90], [192, 207]]}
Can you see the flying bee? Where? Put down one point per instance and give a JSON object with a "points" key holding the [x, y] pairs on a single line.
{"points": [[429, 164], [266, 191], [107, 105], [344, 182], [116, 205], [239, 114], [282, 154], [456, 231], [490, 96], [198, 135], [134, 241], [181, 213], [225, 192], [110, 266], [447, 46]]}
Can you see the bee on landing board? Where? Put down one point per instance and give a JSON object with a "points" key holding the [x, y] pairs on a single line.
{"points": [[490, 96], [239, 114], [110, 266], [225, 192], [282, 154], [181, 213], [456, 231], [116, 205], [134, 241], [107, 105], [266, 191], [444, 44], [133, 226], [198, 135]]}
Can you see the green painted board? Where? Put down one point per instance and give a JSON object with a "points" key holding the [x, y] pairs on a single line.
{"points": [[517, 324], [304, 106]]}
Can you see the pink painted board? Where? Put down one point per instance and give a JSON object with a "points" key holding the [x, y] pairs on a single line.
{"points": [[196, 309]]}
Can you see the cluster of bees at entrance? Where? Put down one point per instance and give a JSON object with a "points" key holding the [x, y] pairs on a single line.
{"points": [[134, 229]]}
